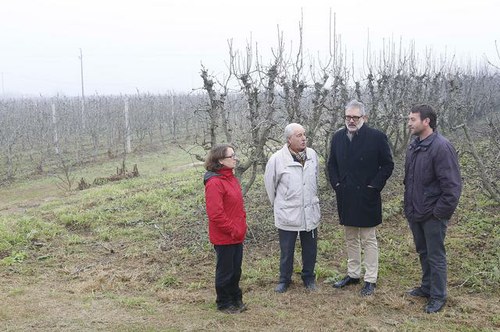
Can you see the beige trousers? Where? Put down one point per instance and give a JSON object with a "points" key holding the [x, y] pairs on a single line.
{"points": [[357, 239]]}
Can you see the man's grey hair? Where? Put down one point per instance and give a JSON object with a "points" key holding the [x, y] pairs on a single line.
{"points": [[357, 104], [289, 130]]}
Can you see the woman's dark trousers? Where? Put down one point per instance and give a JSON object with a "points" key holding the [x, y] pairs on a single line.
{"points": [[228, 274]]}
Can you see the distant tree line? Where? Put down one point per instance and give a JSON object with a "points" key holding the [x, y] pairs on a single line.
{"points": [[249, 105], [38, 135], [290, 88]]}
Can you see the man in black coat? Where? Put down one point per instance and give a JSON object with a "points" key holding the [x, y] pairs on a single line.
{"points": [[359, 165]]}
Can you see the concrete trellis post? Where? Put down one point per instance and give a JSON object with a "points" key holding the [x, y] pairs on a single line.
{"points": [[54, 126], [128, 146]]}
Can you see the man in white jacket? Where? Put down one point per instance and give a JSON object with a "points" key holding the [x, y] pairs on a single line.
{"points": [[291, 180]]}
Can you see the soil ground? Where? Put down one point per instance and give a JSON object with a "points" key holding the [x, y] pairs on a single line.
{"points": [[112, 285]]}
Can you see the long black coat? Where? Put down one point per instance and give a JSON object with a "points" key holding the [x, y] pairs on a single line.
{"points": [[355, 165]]}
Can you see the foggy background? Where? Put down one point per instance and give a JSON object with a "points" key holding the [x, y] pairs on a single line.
{"points": [[159, 46]]}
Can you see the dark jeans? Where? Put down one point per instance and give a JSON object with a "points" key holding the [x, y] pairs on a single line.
{"points": [[228, 274], [309, 242], [429, 241]]}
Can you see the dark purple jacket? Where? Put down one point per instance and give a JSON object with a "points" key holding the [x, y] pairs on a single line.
{"points": [[432, 179]]}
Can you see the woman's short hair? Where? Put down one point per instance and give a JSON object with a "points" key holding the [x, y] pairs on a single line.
{"points": [[215, 154]]}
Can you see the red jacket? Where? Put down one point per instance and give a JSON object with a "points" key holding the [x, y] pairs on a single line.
{"points": [[224, 203]]}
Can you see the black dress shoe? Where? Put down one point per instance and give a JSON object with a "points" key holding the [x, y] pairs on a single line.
{"points": [[418, 292], [229, 310], [240, 305], [310, 285], [368, 289], [346, 281], [434, 305], [281, 288]]}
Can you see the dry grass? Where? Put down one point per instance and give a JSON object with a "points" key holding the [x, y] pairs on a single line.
{"points": [[116, 292], [129, 279]]}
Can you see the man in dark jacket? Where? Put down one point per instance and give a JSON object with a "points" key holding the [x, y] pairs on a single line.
{"points": [[432, 189], [359, 165]]}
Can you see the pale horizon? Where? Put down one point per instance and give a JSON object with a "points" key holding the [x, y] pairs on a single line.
{"points": [[157, 46]]}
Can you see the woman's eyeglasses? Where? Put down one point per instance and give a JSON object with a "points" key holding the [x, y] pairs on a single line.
{"points": [[233, 156]]}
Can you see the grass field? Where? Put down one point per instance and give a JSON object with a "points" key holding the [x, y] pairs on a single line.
{"points": [[134, 256]]}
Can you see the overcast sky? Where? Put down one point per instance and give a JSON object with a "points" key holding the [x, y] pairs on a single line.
{"points": [[158, 45]]}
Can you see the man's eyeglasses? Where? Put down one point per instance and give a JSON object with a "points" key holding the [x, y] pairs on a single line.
{"points": [[233, 156], [355, 118]]}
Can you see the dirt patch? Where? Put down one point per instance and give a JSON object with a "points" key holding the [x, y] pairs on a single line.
{"points": [[114, 278], [51, 305], [92, 288], [17, 200]]}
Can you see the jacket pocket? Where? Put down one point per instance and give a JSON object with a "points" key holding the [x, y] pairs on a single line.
{"points": [[289, 216], [312, 214], [371, 196], [431, 196]]}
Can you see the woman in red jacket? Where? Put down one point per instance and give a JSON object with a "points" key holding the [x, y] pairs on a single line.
{"points": [[226, 225]]}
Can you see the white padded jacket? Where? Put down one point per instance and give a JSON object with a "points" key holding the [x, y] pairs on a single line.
{"points": [[292, 190]]}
